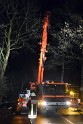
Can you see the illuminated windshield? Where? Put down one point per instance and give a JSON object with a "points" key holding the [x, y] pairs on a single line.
{"points": [[54, 89]]}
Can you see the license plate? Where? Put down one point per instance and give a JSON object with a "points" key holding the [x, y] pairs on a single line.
{"points": [[56, 103]]}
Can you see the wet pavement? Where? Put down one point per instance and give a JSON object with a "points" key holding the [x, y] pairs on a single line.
{"points": [[63, 116], [73, 110]]}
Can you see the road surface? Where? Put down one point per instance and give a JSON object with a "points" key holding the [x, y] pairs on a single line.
{"points": [[70, 116], [48, 119]]}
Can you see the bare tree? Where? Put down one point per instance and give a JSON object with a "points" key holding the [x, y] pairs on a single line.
{"points": [[18, 24], [69, 45]]}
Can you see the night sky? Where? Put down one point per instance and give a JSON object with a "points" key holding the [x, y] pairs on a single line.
{"points": [[75, 5], [25, 64]]}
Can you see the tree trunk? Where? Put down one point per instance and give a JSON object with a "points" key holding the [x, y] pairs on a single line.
{"points": [[81, 88], [3, 65], [6, 57], [62, 73]]}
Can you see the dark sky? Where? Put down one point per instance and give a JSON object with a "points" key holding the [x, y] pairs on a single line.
{"points": [[49, 5], [75, 5]]}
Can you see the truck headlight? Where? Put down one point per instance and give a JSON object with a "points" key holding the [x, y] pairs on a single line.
{"points": [[68, 102], [43, 103]]}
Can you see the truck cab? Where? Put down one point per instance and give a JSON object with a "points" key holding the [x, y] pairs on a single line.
{"points": [[54, 96]]}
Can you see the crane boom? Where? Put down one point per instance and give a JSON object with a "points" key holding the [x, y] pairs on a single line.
{"points": [[43, 49]]}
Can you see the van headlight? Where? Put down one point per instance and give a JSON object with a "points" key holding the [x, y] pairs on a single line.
{"points": [[68, 103]]}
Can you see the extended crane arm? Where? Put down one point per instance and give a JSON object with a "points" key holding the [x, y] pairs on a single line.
{"points": [[43, 49]]}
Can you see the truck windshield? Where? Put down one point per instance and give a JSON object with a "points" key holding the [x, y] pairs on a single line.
{"points": [[54, 89]]}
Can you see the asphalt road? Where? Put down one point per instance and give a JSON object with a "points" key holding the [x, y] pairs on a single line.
{"points": [[59, 119], [48, 119], [20, 119], [70, 116]]}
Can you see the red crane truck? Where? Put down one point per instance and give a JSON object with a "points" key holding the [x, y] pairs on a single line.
{"points": [[50, 95]]}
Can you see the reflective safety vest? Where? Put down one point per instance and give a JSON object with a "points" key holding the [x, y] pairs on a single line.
{"points": [[33, 94]]}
